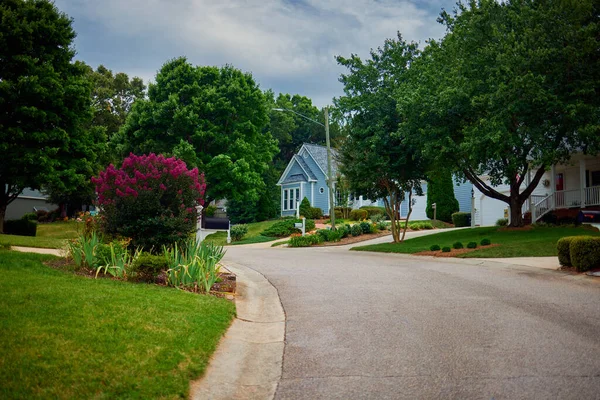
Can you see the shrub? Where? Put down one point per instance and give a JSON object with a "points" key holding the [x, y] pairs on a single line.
{"points": [[472, 245], [373, 210], [376, 218], [286, 227], [347, 229], [21, 227], [563, 246], [502, 222], [365, 227], [356, 230], [434, 247], [485, 242], [147, 267], [446, 249], [461, 219], [585, 252], [150, 199], [316, 213], [238, 232], [84, 251], [382, 226], [457, 245], [345, 211], [338, 215], [210, 211], [305, 208], [30, 216], [42, 215], [305, 241], [440, 190], [358, 215], [193, 265], [415, 226]]}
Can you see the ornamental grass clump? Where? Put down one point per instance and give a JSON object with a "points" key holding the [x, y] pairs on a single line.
{"points": [[150, 199], [193, 265]]}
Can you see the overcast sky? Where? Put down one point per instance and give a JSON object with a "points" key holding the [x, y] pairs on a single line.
{"points": [[288, 45]]}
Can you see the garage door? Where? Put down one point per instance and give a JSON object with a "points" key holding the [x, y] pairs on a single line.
{"points": [[490, 211]]}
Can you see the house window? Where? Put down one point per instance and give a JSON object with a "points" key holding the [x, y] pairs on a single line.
{"points": [[291, 197], [321, 190], [595, 181], [285, 199]]}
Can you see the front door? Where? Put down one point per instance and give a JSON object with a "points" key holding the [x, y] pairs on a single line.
{"points": [[560, 186]]}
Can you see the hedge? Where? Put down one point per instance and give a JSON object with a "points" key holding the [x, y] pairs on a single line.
{"points": [[563, 246], [358, 215], [461, 219], [373, 210], [21, 227], [585, 252], [305, 241], [286, 228]]}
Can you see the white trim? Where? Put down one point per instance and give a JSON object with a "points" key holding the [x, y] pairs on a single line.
{"points": [[289, 166], [312, 194]]}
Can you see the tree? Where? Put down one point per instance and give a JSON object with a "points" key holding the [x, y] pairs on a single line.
{"points": [[511, 88], [44, 99], [440, 190], [377, 159], [220, 113]]}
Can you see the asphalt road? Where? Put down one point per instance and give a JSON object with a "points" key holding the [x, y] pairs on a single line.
{"points": [[378, 326]]}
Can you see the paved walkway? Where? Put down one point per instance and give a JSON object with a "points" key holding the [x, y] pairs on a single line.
{"points": [[54, 252], [388, 326]]}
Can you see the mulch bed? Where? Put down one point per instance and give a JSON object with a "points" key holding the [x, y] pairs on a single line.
{"points": [[452, 252]]}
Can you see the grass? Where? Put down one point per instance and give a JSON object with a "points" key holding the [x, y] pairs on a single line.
{"points": [[49, 235], [537, 242], [253, 235], [68, 336]]}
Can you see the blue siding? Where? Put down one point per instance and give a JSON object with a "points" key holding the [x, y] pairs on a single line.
{"points": [[321, 200], [462, 192], [295, 170]]}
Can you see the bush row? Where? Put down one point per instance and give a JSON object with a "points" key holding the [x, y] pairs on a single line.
{"points": [[459, 245], [581, 252], [21, 227], [287, 227]]}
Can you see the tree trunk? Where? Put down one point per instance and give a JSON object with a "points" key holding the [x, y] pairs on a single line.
{"points": [[516, 215], [410, 209]]}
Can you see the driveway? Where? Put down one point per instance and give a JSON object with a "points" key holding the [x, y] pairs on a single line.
{"points": [[385, 326]]}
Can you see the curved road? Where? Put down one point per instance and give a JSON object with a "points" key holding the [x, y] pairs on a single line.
{"points": [[384, 326]]}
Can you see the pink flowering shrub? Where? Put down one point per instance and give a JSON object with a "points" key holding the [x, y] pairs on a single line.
{"points": [[150, 199]]}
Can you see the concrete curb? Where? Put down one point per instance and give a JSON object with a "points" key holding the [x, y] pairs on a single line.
{"points": [[249, 360]]}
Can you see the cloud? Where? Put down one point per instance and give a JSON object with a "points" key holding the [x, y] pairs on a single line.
{"points": [[288, 45]]}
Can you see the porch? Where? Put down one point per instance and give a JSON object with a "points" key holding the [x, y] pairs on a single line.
{"points": [[572, 186]]}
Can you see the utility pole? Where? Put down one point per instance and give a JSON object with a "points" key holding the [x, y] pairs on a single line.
{"points": [[329, 176]]}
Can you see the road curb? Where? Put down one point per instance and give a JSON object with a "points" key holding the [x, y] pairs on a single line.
{"points": [[248, 362]]}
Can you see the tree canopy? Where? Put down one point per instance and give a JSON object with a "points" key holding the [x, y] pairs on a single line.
{"points": [[212, 118], [512, 87], [377, 159], [44, 101]]}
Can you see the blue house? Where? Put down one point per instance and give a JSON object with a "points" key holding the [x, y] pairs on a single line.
{"points": [[306, 176]]}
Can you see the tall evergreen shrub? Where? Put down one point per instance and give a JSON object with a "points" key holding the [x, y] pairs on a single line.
{"points": [[440, 190]]}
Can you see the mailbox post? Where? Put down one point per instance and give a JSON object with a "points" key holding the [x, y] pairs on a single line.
{"points": [[434, 206], [301, 226]]}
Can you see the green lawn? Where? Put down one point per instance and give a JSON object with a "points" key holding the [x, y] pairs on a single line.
{"points": [[537, 242], [68, 336], [253, 235], [51, 235]]}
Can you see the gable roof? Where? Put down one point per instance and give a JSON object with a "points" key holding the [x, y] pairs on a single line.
{"points": [[319, 154], [308, 175]]}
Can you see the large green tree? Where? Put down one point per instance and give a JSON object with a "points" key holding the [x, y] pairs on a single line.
{"points": [[512, 88], [44, 99], [377, 159], [212, 118]]}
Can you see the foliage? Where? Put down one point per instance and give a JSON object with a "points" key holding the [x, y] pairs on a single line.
{"points": [[210, 211], [44, 103], [377, 158], [358, 215], [563, 247], [216, 120], [373, 210], [147, 267], [238, 232], [502, 222], [415, 226], [30, 216], [446, 249], [193, 265], [316, 213], [472, 245], [434, 247], [460, 219], [21, 227], [356, 230], [305, 208], [286, 228], [457, 245], [377, 218], [382, 226], [83, 250], [585, 252], [119, 261], [346, 230], [344, 212], [366, 227], [150, 199], [440, 190], [330, 235], [511, 87], [485, 242], [305, 241], [86, 332]]}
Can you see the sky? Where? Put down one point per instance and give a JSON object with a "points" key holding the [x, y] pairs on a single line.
{"points": [[289, 46]]}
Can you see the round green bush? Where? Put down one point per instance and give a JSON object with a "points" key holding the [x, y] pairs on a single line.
{"points": [[356, 230], [147, 267], [461, 219], [585, 252], [485, 242], [458, 245], [358, 215], [238, 232], [366, 227], [502, 222], [446, 249], [434, 247], [472, 245], [563, 246]]}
